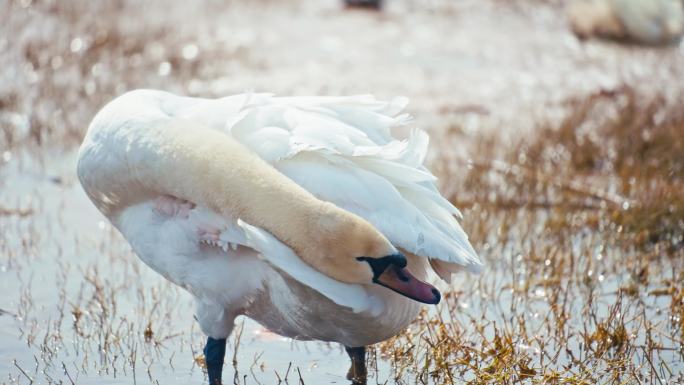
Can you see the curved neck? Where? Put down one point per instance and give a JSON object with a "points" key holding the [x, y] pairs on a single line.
{"points": [[204, 166]]}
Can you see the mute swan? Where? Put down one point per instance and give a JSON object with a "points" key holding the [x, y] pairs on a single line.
{"points": [[299, 213], [642, 21]]}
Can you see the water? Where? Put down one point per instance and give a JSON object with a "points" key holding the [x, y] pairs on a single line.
{"points": [[81, 307]]}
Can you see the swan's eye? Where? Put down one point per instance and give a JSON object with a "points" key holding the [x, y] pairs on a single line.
{"points": [[379, 265]]}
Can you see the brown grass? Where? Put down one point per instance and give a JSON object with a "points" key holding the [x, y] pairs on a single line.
{"points": [[581, 220], [587, 215]]}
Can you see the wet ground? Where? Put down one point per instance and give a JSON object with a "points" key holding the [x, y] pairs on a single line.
{"points": [[565, 156]]}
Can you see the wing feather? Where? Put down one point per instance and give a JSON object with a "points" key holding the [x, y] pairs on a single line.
{"points": [[341, 149]]}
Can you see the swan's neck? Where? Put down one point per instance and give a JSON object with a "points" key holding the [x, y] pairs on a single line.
{"points": [[212, 169], [123, 165]]}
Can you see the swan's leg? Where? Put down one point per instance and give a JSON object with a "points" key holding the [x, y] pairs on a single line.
{"points": [[357, 371], [217, 323], [214, 353]]}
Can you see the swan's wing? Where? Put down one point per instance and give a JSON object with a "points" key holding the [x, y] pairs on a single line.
{"points": [[342, 151], [406, 216]]}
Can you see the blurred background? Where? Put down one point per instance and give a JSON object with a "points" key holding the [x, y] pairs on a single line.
{"points": [[556, 126]]}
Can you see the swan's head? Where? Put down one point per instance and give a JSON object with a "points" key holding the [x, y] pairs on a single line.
{"points": [[356, 252]]}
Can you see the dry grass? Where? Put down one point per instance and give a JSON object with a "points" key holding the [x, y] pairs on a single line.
{"points": [[581, 220], [582, 227], [72, 56]]}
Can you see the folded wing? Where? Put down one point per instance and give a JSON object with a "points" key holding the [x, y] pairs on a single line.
{"points": [[342, 151]]}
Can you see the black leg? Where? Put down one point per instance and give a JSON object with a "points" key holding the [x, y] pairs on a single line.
{"points": [[357, 371], [214, 352]]}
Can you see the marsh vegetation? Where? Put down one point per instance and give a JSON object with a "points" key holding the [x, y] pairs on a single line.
{"points": [[566, 158]]}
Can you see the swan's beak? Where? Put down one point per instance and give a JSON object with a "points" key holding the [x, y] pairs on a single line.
{"points": [[391, 273]]}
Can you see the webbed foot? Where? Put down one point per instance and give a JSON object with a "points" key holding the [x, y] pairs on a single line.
{"points": [[357, 372]]}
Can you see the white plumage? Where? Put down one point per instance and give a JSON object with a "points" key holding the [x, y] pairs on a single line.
{"points": [[340, 149]]}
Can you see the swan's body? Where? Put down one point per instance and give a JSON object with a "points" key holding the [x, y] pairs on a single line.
{"points": [[203, 191], [641, 21], [228, 283]]}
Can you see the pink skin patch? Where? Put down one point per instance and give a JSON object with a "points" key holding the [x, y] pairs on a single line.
{"points": [[208, 234], [266, 335], [171, 206]]}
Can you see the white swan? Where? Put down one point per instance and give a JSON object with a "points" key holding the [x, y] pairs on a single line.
{"points": [[292, 211], [643, 21]]}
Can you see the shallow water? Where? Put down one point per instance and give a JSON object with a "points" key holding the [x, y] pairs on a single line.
{"points": [[79, 306]]}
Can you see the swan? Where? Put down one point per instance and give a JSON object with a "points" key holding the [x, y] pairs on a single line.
{"points": [[302, 213], [651, 22]]}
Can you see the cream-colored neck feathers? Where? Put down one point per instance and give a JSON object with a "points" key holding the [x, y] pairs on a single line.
{"points": [[209, 168]]}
